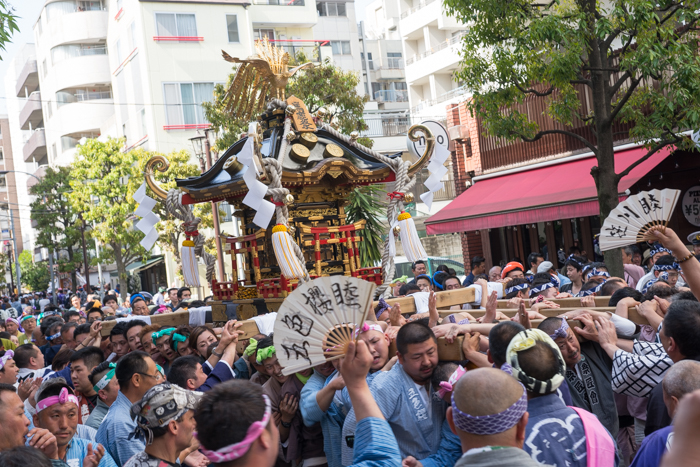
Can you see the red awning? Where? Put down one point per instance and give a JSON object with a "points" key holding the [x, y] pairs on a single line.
{"points": [[561, 191]]}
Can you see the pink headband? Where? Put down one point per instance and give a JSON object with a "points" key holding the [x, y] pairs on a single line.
{"points": [[368, 327], [238, 450], [448, 386], [63, 398]]}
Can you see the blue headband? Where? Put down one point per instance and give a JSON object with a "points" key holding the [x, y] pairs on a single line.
{"points": [[573, 260], [666, 267], [517, 288], [135, 297], [662, 277], [55, 336], [586, 293], [658, 249], [540, 288], [596, 272]]}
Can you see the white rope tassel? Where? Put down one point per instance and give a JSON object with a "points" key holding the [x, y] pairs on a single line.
{"points": [[410, 241], [283, 244], [190, 269]]}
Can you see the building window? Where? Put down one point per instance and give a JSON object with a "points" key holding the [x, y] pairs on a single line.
{"points": [[340, 47], [260, 34], [232, 25], [228, 215], [57, 9], [183, 102], [176, 25], [331, 9], [2, 154], [142, 114]]}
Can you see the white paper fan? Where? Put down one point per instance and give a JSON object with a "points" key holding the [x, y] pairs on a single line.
{"points": [[630, 221], [317, 320]]}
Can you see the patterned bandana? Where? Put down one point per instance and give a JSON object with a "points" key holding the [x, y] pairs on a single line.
{"points": [[490, 424], [517, 288], [27, 316], [161, 333], [574, 260], [160, 405], [561, 332], [104, 381], [55, 336], [448, 386], [64, 397], [526, 340], [381, 307], [540, 288], [596, 272], [238, 450], [594, 290], [657, 267], [403, 279], [657, 248], [6, 356]]}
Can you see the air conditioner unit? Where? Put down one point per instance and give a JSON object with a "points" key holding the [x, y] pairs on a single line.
{"points": [[459, 133]]}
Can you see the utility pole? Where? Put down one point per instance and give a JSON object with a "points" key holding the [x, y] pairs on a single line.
{"points": [[99, 265], [53, 281], [14, 246], [85, 259]]}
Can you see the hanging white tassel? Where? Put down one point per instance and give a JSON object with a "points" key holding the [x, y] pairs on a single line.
{"points": [[190, 269], [283, 244], [412, 246]]}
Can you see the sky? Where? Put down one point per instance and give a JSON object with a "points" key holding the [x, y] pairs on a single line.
{"points": [[360, 9], [28, 11]]}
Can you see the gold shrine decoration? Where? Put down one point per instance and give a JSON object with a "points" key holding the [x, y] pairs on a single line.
{"points": [[301, 116], [161, 164], [258, 78]]}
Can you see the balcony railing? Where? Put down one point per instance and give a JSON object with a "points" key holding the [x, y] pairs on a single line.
{"points": [[309, 47], [391, 95], [420, 5], [386, 125], [393, 64], [63, 98], [442, 45], [279, 2], [441, 98]]}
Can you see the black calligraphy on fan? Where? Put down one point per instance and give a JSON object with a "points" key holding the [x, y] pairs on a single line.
{"points": [[298, 323]]}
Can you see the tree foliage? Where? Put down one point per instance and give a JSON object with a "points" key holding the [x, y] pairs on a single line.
{"points": [[364, 204], [634, 61], [58, 226], [325, 85], [8, 23], [35, 276], [104, 180]]}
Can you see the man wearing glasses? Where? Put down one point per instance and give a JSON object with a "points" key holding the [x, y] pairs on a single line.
{"points": [[136, 373]]}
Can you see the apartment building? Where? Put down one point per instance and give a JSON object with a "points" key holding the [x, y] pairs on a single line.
{"points": [[431, 44]]}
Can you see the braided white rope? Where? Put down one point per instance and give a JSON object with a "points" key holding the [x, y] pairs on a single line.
{"points": [[173, 204], [403, 184]]}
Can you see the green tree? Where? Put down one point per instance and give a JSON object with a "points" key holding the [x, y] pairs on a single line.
{"points": [[104, 180], [8, 23], [634, 61], [58, 226], [325, 85], [363, 203], [35, 276]]}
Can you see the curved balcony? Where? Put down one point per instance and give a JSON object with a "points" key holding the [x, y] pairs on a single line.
{"points": [[79, 27], [28, 78], [80, 71], [80, 117]]}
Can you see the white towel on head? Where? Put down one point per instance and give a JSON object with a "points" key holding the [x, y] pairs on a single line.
{"points": [[421, 301], [266, 322], [198, 316]]}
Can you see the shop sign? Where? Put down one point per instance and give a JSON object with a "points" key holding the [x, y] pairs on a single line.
{"points": [[691, 205]]}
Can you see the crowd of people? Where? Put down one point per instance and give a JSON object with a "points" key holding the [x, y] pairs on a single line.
{"points": [[585, 388]]}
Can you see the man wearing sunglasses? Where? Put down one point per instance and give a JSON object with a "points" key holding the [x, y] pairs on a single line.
{"points": [[136, 373]]}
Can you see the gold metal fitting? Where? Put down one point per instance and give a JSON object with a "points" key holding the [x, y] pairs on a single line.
{"points": [[321, 112], [354, 135], [408, 198], [309, 140], [291, 136], [233, 165], [288, 199], [299, 153], [291, 109], [397, 231], [333, 150]]}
